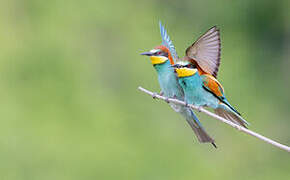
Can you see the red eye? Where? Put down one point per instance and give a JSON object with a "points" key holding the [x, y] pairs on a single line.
{"points": [[159, 52]]}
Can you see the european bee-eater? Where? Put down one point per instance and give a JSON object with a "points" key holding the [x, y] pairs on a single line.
{"points": [[205, 90], [162, 57]]}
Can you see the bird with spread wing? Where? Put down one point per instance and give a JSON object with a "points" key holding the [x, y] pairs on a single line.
{"points": [[204, 53], [204, 56]]}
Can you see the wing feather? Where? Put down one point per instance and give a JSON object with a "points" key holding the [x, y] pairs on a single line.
{"points": [[212, 85], [167, 42], [206, 51]]}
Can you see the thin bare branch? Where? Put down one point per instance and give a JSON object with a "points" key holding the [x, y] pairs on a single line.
{"points": [[201, 109]]}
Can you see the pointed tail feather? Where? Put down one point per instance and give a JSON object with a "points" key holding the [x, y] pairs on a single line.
{"points": [[232, 116], [197, 128], [202, 136]]}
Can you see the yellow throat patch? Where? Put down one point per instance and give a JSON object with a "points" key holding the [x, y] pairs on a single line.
{"points": [[185, 72], [158, 59]]}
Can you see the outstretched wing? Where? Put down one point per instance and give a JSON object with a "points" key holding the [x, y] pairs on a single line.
{"points": [[167, 42], [206, 51]]}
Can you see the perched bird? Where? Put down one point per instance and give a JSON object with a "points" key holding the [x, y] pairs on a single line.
{"points": [[162, 57], [205, 90]]}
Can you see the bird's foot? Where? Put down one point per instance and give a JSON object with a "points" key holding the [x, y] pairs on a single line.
{"points": [[167, 100], [199, 108], [154, 95]]}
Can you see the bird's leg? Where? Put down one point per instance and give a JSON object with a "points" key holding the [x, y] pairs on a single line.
{"points": [[161, 93]]}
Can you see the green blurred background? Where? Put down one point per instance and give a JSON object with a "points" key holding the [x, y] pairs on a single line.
{"points": [[70, 108]]}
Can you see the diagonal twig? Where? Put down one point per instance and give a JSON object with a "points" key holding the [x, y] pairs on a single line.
{"points": [[201, 109]]}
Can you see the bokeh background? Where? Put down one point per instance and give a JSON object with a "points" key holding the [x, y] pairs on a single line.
{"points": [[70, 108]]}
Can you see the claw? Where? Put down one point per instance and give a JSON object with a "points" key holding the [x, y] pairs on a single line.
{"points": [[198, 109], [167, 99], [154, 95]]}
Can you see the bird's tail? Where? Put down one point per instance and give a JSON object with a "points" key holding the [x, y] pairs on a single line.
{"points": [[228, 113], [197, 128]]}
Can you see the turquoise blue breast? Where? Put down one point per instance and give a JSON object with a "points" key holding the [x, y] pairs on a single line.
{"points": [[168, 80], [195, 93]]}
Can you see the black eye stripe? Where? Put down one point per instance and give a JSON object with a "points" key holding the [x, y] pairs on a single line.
{"points": [[186, 66], [161, 53], [157, 53]]}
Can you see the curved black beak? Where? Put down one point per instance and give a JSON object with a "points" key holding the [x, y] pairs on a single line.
{"points": [[146, 53]]}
